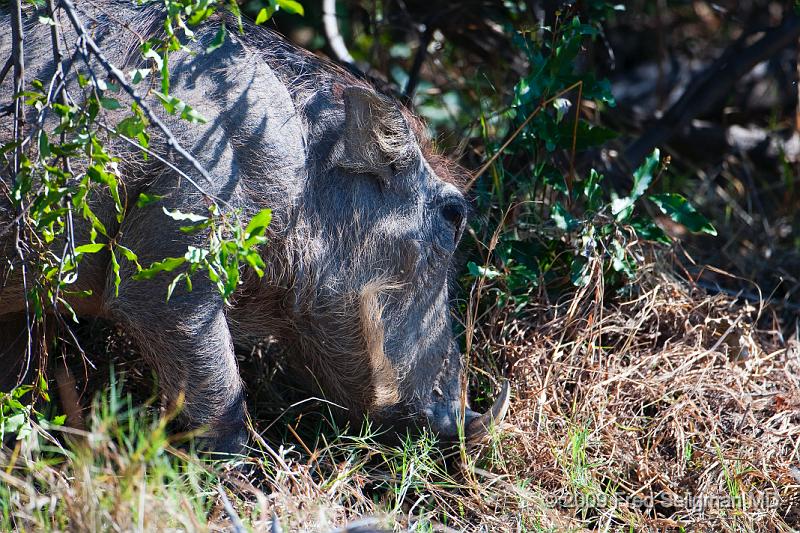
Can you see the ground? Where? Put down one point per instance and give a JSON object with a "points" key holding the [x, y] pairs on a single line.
{"points": [[662, 409]]}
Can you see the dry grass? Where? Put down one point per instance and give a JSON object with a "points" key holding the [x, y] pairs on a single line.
{"points": [[669, 409], [665, 409]]}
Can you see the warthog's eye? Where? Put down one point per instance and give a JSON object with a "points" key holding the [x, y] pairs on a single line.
{"points": [[455, 213]]}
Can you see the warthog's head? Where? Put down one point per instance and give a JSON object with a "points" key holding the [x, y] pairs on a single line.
{"points": [[377, 229]]}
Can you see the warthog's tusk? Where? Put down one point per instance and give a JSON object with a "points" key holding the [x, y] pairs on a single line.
{"points": [[478, 428]]}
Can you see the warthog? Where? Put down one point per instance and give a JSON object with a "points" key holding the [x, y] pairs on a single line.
{"points": [[365, 222]]}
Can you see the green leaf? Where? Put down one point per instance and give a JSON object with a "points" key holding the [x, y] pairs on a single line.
{"points": [[212, 273], [551, 176], [98, 174], [681, 211], [586, 136], [174, 283], [180, 215], [110, 103], [258, 224], [218, 40], [195, 255], [579, 271], [13, 423], [131, 126], [265, 14], [233, 7], [115, 269], [291, 6], [256, 262], [44, 145], [622, 208], [591, 190], [138, 74], [648, 230], [19, 392], [620, 260], [643, 175], [128, 253], [165, 73], [197, 227], [563, 219], [146, 199], [175, 105], [97, 226], [483, 272], [90, 248], [167, 265]]}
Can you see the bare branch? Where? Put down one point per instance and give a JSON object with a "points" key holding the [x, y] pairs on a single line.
{"points": [[58, 56], [60, 76], [18, 59], [53, 90], [499, 152], [419, 60], [712, 85], [158, 158], [6, 68], [335, 40]]}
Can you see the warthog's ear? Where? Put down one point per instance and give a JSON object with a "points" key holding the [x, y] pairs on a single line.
{"points": [[376, 134]]}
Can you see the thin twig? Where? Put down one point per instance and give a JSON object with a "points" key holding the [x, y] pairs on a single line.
{"points": [[18, 57], [472, 311], [60, 77], [52, 91], [160, 159], [6, 68], [60, 74], [37, 125], [571, 176], [516, 133], [236, 522]]}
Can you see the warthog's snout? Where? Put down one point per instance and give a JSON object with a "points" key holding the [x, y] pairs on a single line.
{"points": [[444, 418]]}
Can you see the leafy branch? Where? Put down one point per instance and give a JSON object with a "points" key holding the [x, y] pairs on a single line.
{"points": [[49, 192], [568, 227]]}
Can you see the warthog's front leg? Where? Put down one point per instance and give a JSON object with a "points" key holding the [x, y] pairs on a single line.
{"points": [[186, 339], [13, 357], [188, 344]]}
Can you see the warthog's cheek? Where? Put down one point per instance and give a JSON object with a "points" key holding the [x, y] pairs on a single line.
{"points": [[384, 376]]}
